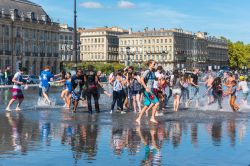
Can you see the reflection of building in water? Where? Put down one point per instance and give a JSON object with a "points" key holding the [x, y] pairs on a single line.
{"points": [[16, 133]]}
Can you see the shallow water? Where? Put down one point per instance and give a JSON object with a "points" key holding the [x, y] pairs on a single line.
{"points": [[49, 136]]}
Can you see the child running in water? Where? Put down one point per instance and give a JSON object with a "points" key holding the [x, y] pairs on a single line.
{"points": [[232, 92], [66, 93], [17, 93], [217, 92]]}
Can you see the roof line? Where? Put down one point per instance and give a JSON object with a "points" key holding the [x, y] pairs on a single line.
{"points": [[27, 2]]}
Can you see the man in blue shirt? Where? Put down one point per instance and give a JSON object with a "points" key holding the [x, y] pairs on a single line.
{"points": [[46, 76]]}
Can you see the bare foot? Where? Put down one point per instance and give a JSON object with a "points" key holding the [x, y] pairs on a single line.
{"points": [[153, 121]]}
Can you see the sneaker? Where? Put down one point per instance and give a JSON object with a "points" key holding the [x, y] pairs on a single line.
{"points": [[123, 112], [18, 109], [8, 109], [111, 112]]}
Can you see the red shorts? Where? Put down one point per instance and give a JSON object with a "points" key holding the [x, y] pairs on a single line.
{"points": [[17, 94]]}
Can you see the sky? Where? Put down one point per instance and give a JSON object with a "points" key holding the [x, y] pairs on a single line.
{"points": [[228, 18]]}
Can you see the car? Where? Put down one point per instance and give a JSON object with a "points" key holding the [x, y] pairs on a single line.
{"points": [[31, 79]]}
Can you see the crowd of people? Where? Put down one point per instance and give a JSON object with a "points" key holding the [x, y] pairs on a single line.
{"points": [[5, 77], [139, 91]]}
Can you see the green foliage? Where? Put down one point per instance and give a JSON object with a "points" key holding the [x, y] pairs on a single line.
{"points": [[104, 67], [239, 55]]}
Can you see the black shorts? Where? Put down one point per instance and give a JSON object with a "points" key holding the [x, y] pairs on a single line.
{"points": [[134, 93]]}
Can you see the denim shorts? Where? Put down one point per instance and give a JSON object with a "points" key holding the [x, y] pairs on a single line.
{"points": [[45, 89]]}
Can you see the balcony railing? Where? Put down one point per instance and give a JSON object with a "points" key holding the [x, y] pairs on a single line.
{"points": [[7, 52], [42, 54], [27, 54]]}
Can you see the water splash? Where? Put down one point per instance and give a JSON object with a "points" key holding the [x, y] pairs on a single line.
{"points": [[41, 102]]}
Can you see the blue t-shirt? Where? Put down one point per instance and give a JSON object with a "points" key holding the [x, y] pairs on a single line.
{"points": [[45, 78]]}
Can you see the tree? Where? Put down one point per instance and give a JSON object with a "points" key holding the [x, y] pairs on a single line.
{"points": [[238, 54]]}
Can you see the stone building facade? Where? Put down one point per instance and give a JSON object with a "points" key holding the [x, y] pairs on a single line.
{"points": [[173, 49], [150, 44], [100, 44], [66, 36], [27, 36]]}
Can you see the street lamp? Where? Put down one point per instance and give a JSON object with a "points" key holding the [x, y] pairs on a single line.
{"points": [[128, 56], [75, 36]]}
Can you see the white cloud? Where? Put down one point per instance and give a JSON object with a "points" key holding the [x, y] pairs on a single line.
{"points": [[126, 4], [91, 5]]}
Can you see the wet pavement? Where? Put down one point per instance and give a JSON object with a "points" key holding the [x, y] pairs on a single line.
{"points": [[53, 135]]}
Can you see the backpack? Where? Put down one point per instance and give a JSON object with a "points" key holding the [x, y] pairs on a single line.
{"points": [[136, 85], [150, 73]]}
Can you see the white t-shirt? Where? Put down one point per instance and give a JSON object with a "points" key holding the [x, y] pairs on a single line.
{"points": [[157, 75], [18, 77], [244, 87], [117, 86]]}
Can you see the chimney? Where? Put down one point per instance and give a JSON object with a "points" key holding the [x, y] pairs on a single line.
{"points": [[130, 31]]}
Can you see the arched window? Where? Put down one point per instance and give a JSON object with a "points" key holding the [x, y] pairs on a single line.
{"points": [[16, 13], [32, 16]]}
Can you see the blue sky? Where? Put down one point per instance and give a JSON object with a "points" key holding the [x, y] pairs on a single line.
{"points": [[229, 18]]}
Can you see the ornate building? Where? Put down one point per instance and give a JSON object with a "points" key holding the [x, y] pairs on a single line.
{"points": [[66, 42], [100, 44], [150, 44], [173, 49], [27, 36]]}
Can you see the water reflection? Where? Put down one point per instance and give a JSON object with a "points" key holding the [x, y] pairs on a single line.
{"points": [[82, 138], [16, 133], [152, 145], [4, 96], [216, 132], [231, 131], [19, 135]]}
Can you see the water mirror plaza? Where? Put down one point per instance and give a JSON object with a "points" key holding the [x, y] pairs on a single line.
{"points": [[124, 83], [53, 135]]}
